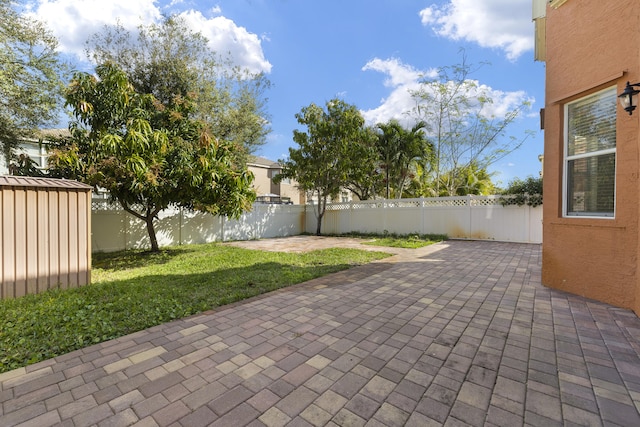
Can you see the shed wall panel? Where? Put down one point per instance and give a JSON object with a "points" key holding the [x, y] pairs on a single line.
{"points": [[8, 244], [54, 239], [20, 247], [82, 239], [63, 239], [72, 215], [44, 235], [43, 241], [31, 246]]}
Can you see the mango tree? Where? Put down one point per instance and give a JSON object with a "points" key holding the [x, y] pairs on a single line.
{"points": [[144, 167]]}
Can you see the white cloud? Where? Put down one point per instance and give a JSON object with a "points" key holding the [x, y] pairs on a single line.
{"points": [[502, 24], [225, 36], [503, 102], [73, 22], [403, 79], [398, 73]]}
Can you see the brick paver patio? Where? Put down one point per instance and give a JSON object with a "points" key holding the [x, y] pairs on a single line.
{"points": [[460, 333]]}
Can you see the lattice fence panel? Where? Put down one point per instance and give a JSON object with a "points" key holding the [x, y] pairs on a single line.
{"points": [[445, 202], [403, 204], [485, 201], [105, 205], [337, 207]]}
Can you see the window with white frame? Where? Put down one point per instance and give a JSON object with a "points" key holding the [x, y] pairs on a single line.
{"points": [[590, 155], [275, 173], [37, 152]]}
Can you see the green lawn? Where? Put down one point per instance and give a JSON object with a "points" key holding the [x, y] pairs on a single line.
{"points": [[133, 290], [410, 241]]}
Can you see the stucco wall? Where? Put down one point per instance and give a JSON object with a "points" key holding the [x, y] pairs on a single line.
{"points": [[592, 45], [289, 189], [262, 181], [264, 185]]}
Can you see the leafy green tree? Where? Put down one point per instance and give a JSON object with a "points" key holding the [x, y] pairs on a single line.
{"points": [[168, 60], [146, 168], [31, 77], [523, 192], [364, 178], [466, 132], [400, 151], [421, 183], [322, 163], [469, 179]]}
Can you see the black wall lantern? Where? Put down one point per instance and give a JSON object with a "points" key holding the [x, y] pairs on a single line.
{"points": [[629, 97]]}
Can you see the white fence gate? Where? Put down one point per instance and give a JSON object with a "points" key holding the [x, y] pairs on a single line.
{"points": [[466, 217]]}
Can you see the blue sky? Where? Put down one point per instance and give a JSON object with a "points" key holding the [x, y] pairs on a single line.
{"points": [[367, 52]]}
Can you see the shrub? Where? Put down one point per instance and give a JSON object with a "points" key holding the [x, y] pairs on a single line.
{"points": [[523, 192]]}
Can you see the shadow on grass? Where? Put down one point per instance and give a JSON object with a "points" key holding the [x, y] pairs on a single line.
{"points": [[135, 258]]}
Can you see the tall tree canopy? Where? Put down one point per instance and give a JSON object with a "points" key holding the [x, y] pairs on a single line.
{"points": [[363, 177], [31, 77], [147, 154], [466, 131], [322, 163], [169, 59]]}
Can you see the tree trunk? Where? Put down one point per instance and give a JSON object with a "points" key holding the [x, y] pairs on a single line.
{"points": [[152, 234], [148, 218], [319, 225], [322, 206], [387, 172]]}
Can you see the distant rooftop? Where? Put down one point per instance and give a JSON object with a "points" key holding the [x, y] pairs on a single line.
{"points": [[261, 161], [56, 133]]}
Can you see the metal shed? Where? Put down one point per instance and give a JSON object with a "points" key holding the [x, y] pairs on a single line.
{"points": [[45, 235]]}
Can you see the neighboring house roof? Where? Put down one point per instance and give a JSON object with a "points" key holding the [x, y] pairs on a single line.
{"points": [[29, 181], [263, 162], [48, 133]]}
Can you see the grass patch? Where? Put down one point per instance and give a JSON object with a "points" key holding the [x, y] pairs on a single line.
{"points": [[134, 290], [409, 241]]}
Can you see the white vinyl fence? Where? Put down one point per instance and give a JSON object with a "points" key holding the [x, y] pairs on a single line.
{"points": [[466, 217], [115, 229]]}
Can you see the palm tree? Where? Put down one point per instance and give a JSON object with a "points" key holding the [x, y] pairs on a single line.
{"points": [[399, 150]]}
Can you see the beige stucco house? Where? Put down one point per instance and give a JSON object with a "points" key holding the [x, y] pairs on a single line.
{"points": [[591, 241], [264, 171]]}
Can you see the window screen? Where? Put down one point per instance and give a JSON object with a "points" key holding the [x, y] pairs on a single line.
{"points": [[590, 164]]}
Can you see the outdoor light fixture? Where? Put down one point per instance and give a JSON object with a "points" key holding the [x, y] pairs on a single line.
{"points": [[629, 97]]}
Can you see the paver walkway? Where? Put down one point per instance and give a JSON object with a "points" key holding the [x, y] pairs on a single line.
{"points": [[461, 333]]}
